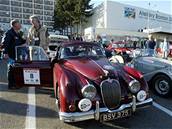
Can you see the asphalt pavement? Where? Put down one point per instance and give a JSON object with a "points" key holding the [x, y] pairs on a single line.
{"points": [[34, 108]]}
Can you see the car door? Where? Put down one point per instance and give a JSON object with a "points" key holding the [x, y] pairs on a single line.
{"points": [[144, 64], [32, 67]]}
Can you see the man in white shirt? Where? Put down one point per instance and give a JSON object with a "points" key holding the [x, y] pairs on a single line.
{"points": [[165, 48]]}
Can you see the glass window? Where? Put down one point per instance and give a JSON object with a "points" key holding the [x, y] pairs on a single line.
{"points": [[81, 51], [30, 53], [27, 5], [14, 3], [39, 1], [6, 2], [4, 8], [27, 0], [38, 6]]}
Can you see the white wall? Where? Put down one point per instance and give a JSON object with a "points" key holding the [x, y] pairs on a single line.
{"points": [[117, 20], [113, 16], [97, 20]]}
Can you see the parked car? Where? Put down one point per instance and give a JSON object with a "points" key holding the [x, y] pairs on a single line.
{"points": [[156, 71], [55, 41], [123, 48], [86, 84], [32, 67]]}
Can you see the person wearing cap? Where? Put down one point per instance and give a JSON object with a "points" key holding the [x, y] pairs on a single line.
{"points": [[11, 39], [150, 45], [38, 34]]}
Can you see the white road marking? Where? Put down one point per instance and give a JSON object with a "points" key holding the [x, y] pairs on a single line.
{"points": [[31, 110], [167, 111], [3, 83]]}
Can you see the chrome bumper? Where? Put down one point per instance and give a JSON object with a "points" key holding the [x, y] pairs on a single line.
{"points": [[95, 114]]}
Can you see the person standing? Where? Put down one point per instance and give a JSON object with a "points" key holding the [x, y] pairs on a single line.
{"points": [[11, 39], [99, 40], [150, 45], [165, 48], [38, 34]]}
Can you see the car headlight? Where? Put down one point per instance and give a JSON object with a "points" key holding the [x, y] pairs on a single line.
{"points": [[85, 105], [134, 86], [141, 95], [89, 91]]}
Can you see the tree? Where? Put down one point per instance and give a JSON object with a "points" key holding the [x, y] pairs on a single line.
{"points": [[71, 12], [83, 10]]}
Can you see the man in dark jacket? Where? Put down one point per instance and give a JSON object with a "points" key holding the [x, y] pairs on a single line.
{"points": [[150, 45], [11, 39]]}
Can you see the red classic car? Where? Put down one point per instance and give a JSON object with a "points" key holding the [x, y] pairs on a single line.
{"points": [[123, 48], [119, 47], [86, 84]]}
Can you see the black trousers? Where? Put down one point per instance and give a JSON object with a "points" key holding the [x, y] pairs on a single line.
{"points": [[10, 76]]}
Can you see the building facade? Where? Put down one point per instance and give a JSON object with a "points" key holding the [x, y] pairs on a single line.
{"points": [[116, 19], [23, 9]]}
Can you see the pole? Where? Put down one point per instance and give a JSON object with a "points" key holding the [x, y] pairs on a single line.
{"points": [[10, 11], [43, 12], [22, 12], [33, 6], [148, 17]]}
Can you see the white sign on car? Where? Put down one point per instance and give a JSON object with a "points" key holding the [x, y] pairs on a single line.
{"points": [[31, 76]]}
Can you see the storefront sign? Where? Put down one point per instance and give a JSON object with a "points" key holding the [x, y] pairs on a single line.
{"points": [[155, 16]]}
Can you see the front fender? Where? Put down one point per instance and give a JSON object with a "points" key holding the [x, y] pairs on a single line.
{"points": [[137, 75], [69, 84]]}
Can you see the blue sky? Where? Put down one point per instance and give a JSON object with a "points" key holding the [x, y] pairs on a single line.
{"points": [[164, 6]]}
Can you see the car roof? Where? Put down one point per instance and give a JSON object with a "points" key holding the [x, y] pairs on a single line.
{"points": [[79, 43], [54, 36]]}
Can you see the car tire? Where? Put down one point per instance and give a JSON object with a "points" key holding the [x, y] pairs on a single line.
{"points": [[162, 85]]}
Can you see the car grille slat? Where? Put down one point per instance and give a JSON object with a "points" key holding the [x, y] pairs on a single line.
{"points": [[111, 93]]}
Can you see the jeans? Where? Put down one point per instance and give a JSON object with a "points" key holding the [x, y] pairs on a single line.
{"points": [[150, 52], [165, 54], [10, 74]]}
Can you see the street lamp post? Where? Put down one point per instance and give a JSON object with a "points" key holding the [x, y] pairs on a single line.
{"points": [[148, 24]]}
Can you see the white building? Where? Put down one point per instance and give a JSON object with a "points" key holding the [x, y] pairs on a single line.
{"points": [[119, 20], [23, 9]]}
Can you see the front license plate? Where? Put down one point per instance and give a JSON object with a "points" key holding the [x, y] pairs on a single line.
{"points": [[115, 115]]}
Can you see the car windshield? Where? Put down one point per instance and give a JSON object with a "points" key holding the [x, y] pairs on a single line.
{"points": [[30, 53], [81, 50]]}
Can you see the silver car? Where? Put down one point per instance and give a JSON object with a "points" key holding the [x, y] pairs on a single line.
{"points": [[156, 71]]}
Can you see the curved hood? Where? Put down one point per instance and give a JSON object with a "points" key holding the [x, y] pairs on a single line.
{"points": [[88, 67]]}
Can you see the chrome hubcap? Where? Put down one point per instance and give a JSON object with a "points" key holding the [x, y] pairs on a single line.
{"points": [[162, 87]]}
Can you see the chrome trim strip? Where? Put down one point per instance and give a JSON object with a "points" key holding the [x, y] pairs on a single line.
{"points": [[80, 116], [134, 104], [97, 111]]}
